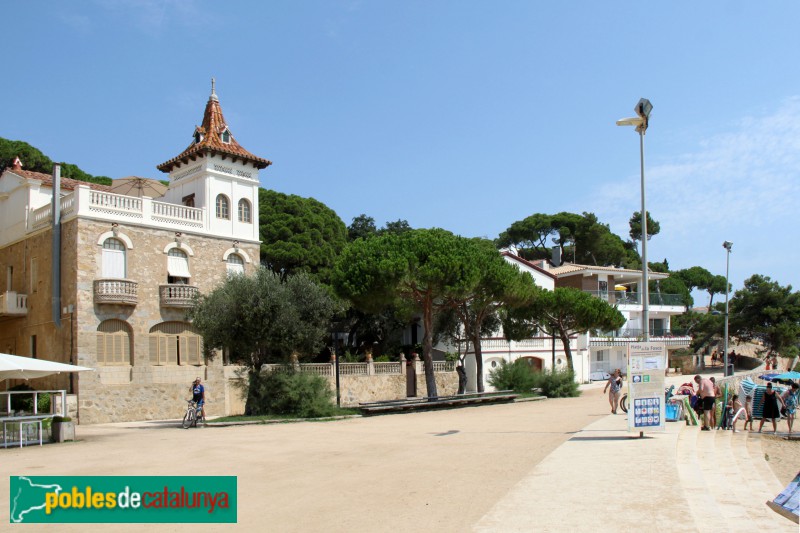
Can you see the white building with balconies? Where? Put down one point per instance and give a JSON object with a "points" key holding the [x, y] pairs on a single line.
{"points": [[130, 265]]}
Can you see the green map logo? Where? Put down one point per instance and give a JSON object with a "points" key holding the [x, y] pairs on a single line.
{"points": [[125, 499]]}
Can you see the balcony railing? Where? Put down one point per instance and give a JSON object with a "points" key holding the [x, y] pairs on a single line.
{"points": [[634, 298], [639, 333], [176, 295], [13, 304], [116, 291]]}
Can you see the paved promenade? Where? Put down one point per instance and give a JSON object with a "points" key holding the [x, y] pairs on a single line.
{"points": [[553, 465]]}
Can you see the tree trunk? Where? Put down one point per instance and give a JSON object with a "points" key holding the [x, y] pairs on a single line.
{"points": [[476, 344], [427, 346], [564, 335]]}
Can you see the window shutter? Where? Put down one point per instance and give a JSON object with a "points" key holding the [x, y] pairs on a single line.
{"points": [[154, 349], [101, 348]]}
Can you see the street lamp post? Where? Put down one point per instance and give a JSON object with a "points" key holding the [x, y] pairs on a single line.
{"points": [[336, 355], [643, 109], [727, 245]]}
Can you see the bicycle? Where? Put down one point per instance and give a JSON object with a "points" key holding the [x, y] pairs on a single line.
{"points": [[194, 412], [623, 402]]}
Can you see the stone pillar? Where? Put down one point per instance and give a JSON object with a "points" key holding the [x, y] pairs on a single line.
{"points": [[402, 363]]}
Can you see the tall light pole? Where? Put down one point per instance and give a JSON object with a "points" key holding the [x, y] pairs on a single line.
{"points": [[643, 109], [727, 245]]}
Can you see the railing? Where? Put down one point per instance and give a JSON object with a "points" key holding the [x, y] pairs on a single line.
{"points": [[387, 368], [319, 369], [355, 369], [177, 295], [115, 202], [634, 298], [181, 214], [444, 366], [12, 303], [119, 207], [116, 291], [638, 333]]}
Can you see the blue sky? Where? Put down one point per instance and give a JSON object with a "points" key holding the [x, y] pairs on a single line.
{"points": [[456, 114]]}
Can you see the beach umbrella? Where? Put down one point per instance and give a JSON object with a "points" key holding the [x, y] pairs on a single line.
{"points": [[785, 377], [136, 186]]}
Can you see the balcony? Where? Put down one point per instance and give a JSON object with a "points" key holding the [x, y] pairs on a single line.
{"points": [[13, 304], [670, 337], [116, 291], [634, 298], [176, 295]]}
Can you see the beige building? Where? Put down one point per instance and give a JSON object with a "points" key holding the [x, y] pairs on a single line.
{"points": [[130, 266]]}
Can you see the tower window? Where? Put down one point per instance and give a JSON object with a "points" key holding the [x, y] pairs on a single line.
{"points": [[198, 137], [226, 136], [223, 207], [244, 211]]}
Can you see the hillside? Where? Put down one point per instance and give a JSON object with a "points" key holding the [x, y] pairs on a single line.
{"points": [[33, 159]]}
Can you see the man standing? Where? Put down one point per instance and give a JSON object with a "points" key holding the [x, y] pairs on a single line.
{"points": [[706, 393]]}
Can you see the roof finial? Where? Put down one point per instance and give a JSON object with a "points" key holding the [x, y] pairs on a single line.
{"points": [[213, 92], [17, 164]]}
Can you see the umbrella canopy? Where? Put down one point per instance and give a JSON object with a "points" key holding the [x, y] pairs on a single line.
{"points": [[136, 186], [16, 367], [786, 376]]}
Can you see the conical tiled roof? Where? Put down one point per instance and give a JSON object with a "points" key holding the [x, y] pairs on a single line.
{"points": [[208, 140]]}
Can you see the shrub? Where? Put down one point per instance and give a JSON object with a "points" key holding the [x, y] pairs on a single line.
{"points": [[516, 376], [287, 391], [557, 383]]}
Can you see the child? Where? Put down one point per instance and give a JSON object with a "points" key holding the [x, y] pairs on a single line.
{"points": [[727, 414], [738, 410], [748, 409]]}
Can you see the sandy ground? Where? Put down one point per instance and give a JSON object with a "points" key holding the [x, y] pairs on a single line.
{"points": [[436, 471], [783, 456]]}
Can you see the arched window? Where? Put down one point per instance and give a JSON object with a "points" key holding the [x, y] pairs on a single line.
{"points": [[226, 136], [223, 207], [175, 343], [114, 340], [178, 267], [235, 264], [244, 211], [114, 259]]}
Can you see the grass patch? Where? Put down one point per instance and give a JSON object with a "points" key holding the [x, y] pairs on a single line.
{"points": [[282, 418]]}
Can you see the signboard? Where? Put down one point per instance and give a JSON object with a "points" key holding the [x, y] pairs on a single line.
{"points": [[647, 365]]}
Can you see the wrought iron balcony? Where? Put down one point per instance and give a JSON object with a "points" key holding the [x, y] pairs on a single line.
{"points": [[116, 291], [177, 295], [13, 304]]}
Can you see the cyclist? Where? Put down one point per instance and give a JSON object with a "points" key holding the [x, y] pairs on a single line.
{"points": [[199, 396]]}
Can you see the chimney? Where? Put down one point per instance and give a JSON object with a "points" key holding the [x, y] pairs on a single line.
{"points": [[556, 260], [17, 165]]}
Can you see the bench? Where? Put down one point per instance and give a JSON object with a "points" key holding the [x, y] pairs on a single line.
{"points": [[442, 402]]}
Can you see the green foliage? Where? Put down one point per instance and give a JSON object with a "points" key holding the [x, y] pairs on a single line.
{"points": [[557, 383], [299, 234], [423, 270], [765, 310], [673, 285], [517, 376], [286, 391], [33, 159], [262, 319], [562, 312], [362, 227], [24, 402], [635, 224], [521, 377], [582, 238]]}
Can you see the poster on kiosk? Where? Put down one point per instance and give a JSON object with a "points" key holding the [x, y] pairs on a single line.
{"points": [[647, 365]]}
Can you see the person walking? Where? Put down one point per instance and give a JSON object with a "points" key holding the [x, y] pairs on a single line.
{"points": [[705, 391], [748, 411], [717, 394], [615, 384], [790, 400], [771, 410]]}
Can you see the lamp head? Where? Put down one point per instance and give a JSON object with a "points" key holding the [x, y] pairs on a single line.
{"points": [[727, 245], [643, 108]]}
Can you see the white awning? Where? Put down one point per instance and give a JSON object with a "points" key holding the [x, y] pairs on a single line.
{"points": [[16, 367], [178, 267]]}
